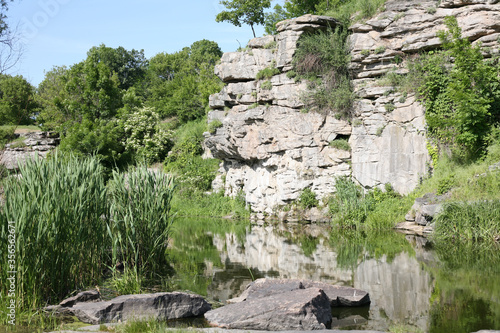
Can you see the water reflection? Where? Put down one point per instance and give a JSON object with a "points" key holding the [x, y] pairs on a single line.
{"points": [[409, 283]]}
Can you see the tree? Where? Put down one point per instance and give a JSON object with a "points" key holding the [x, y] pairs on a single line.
{"points": [[180, 83], [250, 12], [17, 101]]}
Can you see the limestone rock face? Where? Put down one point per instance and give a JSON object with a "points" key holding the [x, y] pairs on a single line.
{"points": [[35, 145], [271, 150]]}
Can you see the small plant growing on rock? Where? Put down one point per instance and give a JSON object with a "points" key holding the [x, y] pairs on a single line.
{"points": [[431, 10], [214, 125], [389, 107], [379, 50], [365, 53], [380, 130], [253, 106], [268, 72], [399, 16], [341, 144], [254, 94], [308, 199], [271, 45], [267, 85], [357, 122]]}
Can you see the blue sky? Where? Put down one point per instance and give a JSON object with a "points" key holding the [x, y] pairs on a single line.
{"points": [[60, 32]]}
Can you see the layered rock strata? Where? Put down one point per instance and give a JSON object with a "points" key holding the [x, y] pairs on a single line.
{"points": [[272, 151], [35, 145]]}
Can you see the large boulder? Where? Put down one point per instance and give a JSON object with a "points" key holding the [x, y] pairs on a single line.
{"points": [[338, 295], [159, 306], [304, 309]]}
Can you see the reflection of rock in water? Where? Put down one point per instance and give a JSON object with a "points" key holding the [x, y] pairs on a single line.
{"points": [[265, 250], [347, 317], [399, 290]]}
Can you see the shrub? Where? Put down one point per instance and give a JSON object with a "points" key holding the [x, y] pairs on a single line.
{"points": [[379, 50], [325, 55], [145, 137], [365, 53], [271, 45], [462, 102], [307, 199], [342, 144], [7, 134]]}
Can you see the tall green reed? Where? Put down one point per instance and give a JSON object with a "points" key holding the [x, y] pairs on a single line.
{"points": [[140, 219], [59, 209]]}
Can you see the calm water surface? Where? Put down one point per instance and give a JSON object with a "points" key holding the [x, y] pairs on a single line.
{"points": [[411, 283]]}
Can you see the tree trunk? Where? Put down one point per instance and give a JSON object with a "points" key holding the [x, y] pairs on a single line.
{"points": [[253, 31]]}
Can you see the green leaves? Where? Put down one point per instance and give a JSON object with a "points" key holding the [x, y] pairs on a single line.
{"points": [[249, 12], [462, 101]]}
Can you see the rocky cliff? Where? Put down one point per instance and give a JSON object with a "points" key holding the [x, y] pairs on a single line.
{"points": [[271, 150]]}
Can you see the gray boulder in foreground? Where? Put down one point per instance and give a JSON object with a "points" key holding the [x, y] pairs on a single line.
{"points": [[301, 309], [338, 295], [159, 306]]}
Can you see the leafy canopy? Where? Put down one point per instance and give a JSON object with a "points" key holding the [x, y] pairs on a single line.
{"points": [[249, 12]]}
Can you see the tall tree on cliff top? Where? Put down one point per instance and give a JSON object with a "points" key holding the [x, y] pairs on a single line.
{"points": [[250, 12]]}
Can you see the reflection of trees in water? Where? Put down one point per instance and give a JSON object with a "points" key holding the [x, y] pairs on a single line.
{"points": [[467, 293]]}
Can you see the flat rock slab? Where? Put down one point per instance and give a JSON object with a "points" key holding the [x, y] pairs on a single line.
{"points": [[338, 295], [159, 306], [301, 309]]}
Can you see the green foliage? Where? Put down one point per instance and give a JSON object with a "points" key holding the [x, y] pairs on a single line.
{"points": [[342, 144], [445, 184], [350, 11], [249, 12], [271, 45], [389, 107], [348, 206], [179, 84], [267, 85], [103, 139], [201, 204], [307, 199], [379, 50], [365, 53], [214, 125], [462, 103], [468, 222], [7, 134], [145, 137], [140, 219], [325, 54], [60, 211], [192, 172], [17, 101], [128, 282], [267, 72]]}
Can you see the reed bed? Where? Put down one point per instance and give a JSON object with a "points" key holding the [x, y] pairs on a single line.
{"points": [[140, 224], [59, 209], [71, 227]]}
